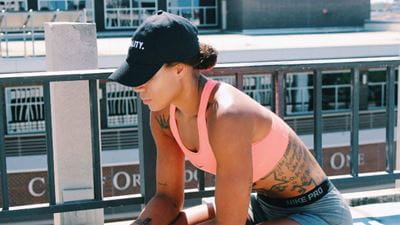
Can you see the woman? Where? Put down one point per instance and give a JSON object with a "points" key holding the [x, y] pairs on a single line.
{"points": [[224, 132]]}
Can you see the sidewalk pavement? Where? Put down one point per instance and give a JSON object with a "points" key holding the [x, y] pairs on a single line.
{"points": [[376, 214]]}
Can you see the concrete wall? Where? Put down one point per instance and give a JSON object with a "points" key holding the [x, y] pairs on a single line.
{"points": [[271, 14]]}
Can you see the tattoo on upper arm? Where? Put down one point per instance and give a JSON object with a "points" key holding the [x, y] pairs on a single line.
{"points": [[164, 123], [143, 222]]}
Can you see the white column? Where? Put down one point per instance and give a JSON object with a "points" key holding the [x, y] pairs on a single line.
{"points": [[72, 46]]}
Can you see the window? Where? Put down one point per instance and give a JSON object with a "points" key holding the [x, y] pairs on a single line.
{"points": [[127, 13], [202, 13], [336, 92], [68, 5], [385, 10], [13, 5], [259, 87], [121, 106], [298, 91], [376, 81], [25, 110]]}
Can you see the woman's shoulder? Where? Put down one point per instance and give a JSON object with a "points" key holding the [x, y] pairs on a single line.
{"points": [[233, 109], [232, 102]]}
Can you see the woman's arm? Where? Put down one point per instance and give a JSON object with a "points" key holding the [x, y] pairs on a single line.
{"points": [[165, 206], [231, 138]]}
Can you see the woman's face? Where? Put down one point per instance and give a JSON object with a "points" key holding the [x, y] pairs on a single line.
{"points": [[161, 89]]}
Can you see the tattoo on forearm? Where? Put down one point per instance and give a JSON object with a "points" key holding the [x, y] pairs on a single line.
{"points": [[250, 187], [162, 184], [164, 123], [143, 222]]}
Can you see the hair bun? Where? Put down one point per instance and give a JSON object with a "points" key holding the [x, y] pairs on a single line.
{"points": [[208, 57]]}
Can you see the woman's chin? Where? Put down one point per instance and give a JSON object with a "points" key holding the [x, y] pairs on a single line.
{"points": [[154, 108]]}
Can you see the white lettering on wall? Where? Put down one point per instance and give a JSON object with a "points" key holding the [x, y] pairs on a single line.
{"points": [[338, 160], [127, 181], [30, 186], [136, 180], [190, 175]]}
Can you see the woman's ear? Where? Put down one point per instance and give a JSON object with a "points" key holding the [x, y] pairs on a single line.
{"points": [[179, 69]]}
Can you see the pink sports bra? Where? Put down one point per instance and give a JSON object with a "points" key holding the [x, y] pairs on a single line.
{"points": [[266, 153]]}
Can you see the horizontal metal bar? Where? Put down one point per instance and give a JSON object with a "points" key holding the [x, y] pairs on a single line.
{"points": [[199, 194], [18, 78], [364, 179], [90, 204], [71, 206], [317, 62], [220, 69]]}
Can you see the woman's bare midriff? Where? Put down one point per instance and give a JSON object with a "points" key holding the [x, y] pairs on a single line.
{"points": [[296, 173]]}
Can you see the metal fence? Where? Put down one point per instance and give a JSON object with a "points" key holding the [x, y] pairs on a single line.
{"points": [[17, 26], [117, 18], [278, 71]]}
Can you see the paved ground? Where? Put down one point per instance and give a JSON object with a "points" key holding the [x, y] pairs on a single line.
{"points": [[233, 48], [374, 214], [243, 42]]}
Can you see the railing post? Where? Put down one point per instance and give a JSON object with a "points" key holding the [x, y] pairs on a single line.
{"points": [[49, 143], [390, 154], [3, 162], [239, 81], [147, 153], [398, 125], [355, 121], [318, 116], [278, 79], [73, 46], [96, 146]]}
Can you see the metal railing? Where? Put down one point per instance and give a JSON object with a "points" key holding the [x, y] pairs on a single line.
{"points": [[147, 148], [25, 25], [201, 16], [117, 18]]}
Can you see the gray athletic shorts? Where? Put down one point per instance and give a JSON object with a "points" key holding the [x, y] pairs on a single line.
{"points": [[331, 209]]}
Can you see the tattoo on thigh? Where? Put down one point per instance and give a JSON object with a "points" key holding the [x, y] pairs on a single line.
{"points": [[164, 123], [143, 222]]}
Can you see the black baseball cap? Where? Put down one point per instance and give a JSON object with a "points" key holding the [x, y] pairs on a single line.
{"points": [[161, 38]]}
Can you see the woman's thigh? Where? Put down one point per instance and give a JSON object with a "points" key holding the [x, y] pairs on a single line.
{"points": [[330, 210]]}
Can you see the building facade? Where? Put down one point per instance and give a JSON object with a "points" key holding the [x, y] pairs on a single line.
{"points": [[232, 15]]}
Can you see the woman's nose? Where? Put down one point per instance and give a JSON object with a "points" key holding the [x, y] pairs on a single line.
{"points": [[138, 89]]}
